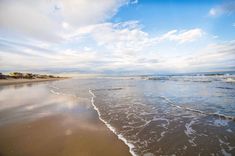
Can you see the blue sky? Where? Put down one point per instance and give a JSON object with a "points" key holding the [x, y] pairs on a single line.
{"points": [[162, 15], [117, 36]]}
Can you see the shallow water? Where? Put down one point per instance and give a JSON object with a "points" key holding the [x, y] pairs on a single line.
{"points": [[174, 116]]}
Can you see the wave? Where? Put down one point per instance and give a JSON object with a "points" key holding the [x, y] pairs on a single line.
{"points": [[54, 92], [229, 80], [108, 89], [196, 79], [224, 87], [221, 116], [120, 136]]}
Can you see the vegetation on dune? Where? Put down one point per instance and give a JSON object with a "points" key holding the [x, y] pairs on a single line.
{"points": [[18, 75]]}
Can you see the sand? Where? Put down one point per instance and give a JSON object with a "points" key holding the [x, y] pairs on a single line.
{"points": [[20, 81], [35, 122], [48, 137]]}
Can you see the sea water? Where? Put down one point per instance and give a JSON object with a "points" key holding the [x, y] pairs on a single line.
{"points": [[171, 115]]}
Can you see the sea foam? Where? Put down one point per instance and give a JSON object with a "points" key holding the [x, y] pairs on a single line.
{"points": [[120, 136]]}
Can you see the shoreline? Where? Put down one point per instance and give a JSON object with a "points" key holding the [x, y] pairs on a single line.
{"points": [[20, 81], [112, 129]]}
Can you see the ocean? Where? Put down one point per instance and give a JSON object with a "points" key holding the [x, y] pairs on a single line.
{"points": [[163, 115]]}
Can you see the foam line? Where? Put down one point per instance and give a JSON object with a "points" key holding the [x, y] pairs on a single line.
{"points": [[120, 136], [54, 92], [221, 116]]}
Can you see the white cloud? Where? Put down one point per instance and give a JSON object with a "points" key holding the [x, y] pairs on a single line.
{"points": [[215, 11], [108, 46], [220, 55], [184, 36], [213, 56], [84, 12], [217, 56], [90, 43], [124, 38], [226, 8], [134, 1], [23, 18], [46, 20], [127, 38]]}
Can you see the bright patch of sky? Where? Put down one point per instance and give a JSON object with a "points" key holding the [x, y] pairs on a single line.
{"points": [[117, 36]]}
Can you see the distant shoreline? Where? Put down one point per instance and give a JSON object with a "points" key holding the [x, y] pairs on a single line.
{"points": [[20, 81]]}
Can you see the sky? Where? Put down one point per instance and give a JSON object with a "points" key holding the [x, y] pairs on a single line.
{"points": [[117, 36]]}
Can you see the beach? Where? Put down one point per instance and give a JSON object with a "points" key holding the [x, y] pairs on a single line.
{"points": [[35, 121], [177, 115], [20, 81]]}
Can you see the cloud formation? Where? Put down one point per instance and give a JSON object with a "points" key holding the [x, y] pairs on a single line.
{"points": [[116, 47], [47, 19], [76, 35], [226, 8], [214, 56], [184, 36]]}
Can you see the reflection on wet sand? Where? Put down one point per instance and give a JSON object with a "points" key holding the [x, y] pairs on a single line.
{"points": [[33, 121]]}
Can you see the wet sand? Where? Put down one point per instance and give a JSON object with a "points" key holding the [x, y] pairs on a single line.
{"points": [[35, 122], [20, 81]]}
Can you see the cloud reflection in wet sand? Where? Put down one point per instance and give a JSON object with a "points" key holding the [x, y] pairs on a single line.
{"points": [[33, 121]]}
